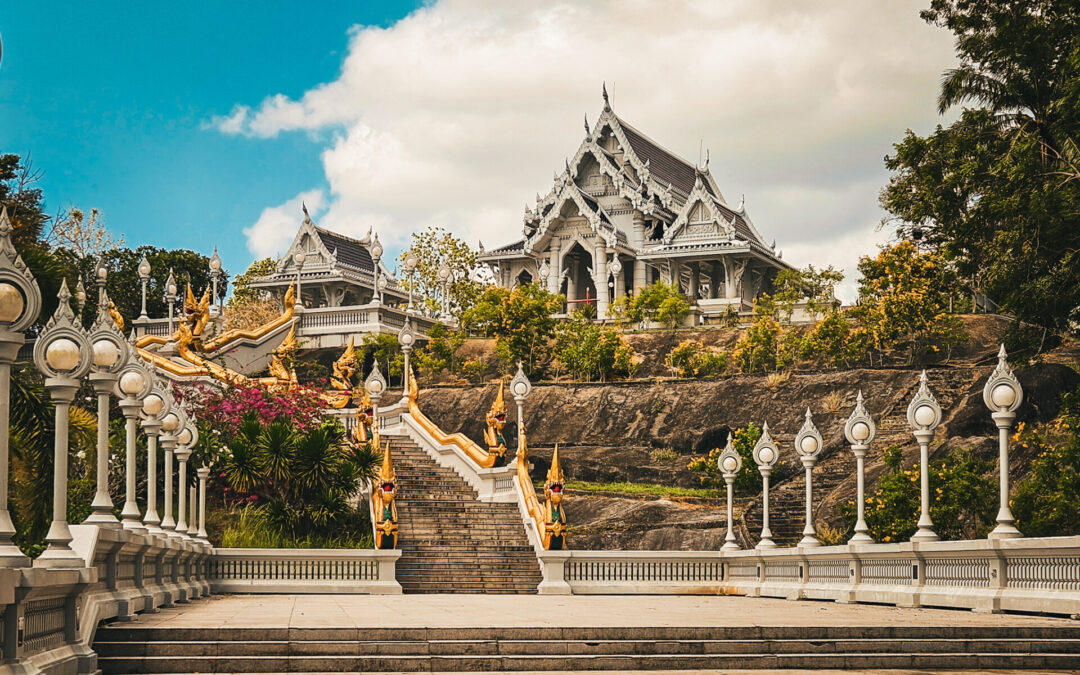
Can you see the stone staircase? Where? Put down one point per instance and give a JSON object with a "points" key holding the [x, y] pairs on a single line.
{"points": [[126, 649], [450, 542], [834, 475]]}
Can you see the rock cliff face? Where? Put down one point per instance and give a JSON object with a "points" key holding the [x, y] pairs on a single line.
{"points": [[607, 432]]}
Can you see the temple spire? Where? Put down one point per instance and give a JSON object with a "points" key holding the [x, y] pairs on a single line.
{"points": [[607, 103]]}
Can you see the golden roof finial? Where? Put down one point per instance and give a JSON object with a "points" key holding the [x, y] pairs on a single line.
{"points": [[189, 300], [555, 473]]}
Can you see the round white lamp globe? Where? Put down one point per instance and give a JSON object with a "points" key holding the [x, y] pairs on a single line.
{"points": [[11, 303], [1003, 396], [765, 455], [105, 353], [184, 437], [62, 355], [153, 405], [924, 416], [170, 422], [729, 464], [132, 382], [809, 445], [860, 431]]}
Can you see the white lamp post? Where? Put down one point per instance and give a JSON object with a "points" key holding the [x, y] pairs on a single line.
{"points": [[135, 384], [203, 474], [406, 338], [924, 414], [445, 274], [520, 387], [411, 261], [375, 384], [215, 276], [859, 431], [170, 297], [808, 444], [615, 269], [187, 437], [110, 355], [156, 406], [171, 425], [298, 258], [144, 276], [765, 455], [62, 352], [20, 303], [376, 251], [730, 464], [1003, 395]]}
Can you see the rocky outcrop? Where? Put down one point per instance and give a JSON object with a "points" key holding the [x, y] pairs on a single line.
{"points": [[607, 432]]}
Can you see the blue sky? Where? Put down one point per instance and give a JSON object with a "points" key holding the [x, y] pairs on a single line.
{"points": [[112, 101], [206, 124]]}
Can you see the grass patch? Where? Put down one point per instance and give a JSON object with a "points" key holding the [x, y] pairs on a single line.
{"points": [[642, 489], [249, 529]]}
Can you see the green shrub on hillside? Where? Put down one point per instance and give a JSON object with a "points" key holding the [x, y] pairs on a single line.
{"points": [[691, 359], [660, 302], [962, 499], [1045, 502], [589, 351]]}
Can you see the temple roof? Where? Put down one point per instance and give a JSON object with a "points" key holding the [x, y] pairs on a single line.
{"points": [[664, 165], [350, 252]]}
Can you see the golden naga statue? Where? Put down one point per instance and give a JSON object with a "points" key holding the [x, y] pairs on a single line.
{"points": [[365, 420], [341, 381], [117, 319], [554, 517], [284, 351], [345, 368], [382, 500], [495, 421], [550, 519]]}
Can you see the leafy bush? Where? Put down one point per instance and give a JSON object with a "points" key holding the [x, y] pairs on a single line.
{"points": [[660, 302], [756, 350], [440, 352], [520, 320], [690, 359], [664, 455], [962, 498], [249, 527], [748, 480], [1045, 500], [590, 351]]}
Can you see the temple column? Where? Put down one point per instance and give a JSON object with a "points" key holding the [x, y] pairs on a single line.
{"points": [[715, 277], [695, 274], [674, 272], [601, 281], [640, 275], [639, 229], [620, 282], [553, 262], [729, 280]]}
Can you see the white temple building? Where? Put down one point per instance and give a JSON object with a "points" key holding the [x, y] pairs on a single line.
{"points": [[626, 212]]}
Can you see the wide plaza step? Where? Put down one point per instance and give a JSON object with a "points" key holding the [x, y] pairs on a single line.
{"points": [[126, 649]]}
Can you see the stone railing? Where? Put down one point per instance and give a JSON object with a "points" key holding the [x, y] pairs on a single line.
{"points": [[316, 321], [993, 575], [50, 615], [263, 570]]}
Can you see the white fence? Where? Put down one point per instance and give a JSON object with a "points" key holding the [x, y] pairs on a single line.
{"points": [[267, 570], [1022, 575]]}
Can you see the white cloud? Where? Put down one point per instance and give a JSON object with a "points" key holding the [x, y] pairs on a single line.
{"points": [[460, 113], [274, 230]]}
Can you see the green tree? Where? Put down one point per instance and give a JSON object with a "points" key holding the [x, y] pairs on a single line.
{"points": [[962, 498], [997, 191], [242, 290], [520, 320], [440, 351], [747, 480], [590, 351], [757, 349], [1045, 500], [691, 359], [904, 301], [660, 302], [816, 288], [434, 248]]}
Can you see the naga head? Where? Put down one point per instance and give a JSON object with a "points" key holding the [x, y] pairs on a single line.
{"points": [[386, 483], [553, 486]]}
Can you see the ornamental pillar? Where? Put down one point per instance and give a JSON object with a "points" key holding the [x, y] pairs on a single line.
{"points": [[555, 277], [715, 279], [695, 274], [924, 414], [640, 275], [601, 281], [639, 229], [675, 273]]}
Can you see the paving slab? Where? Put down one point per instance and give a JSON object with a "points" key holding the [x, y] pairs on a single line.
{"points": [[484, 611]]}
